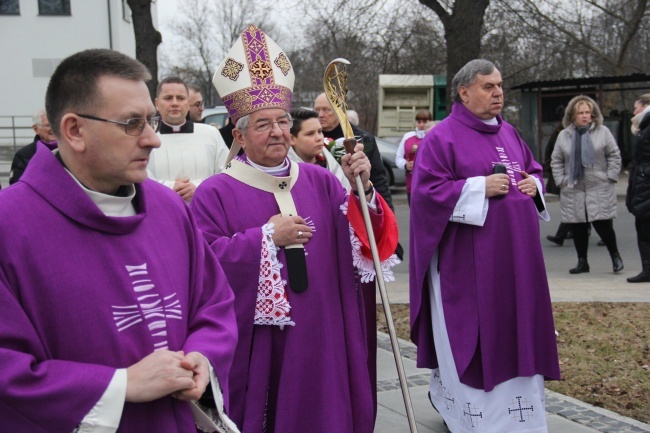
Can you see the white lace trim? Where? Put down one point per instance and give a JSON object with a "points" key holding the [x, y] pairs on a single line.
{"points": [[365, 266], [272, 306]]}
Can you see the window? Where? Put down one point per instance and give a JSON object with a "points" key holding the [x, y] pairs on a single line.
{"points": [[126, 12], [54, 7], [9, 7]]}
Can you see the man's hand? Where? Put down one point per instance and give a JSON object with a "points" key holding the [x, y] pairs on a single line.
{"points": [[158, 375], [199, 366], [290, 230], [409, 165], [527, 185], [497, 184], [354, 164], [184, 188]]}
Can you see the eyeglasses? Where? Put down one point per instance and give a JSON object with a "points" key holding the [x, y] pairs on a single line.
{"points": [[133, 127], [266, 125], [198, 104]]}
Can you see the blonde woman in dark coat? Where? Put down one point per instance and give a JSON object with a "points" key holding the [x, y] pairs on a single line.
{"points": [[586, 163]]}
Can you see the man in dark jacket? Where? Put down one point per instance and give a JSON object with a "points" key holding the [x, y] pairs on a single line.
{"points": [[44, 135], [332, 129]]}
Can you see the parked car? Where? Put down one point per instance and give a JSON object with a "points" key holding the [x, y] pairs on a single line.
{"points": [[388, 148], [216, 116]]}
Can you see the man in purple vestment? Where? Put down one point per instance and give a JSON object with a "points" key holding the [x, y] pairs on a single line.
{"points": [[115, 316], [479, 296], [281, 233]]}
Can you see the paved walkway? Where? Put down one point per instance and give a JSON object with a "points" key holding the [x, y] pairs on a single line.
{"points": [[564, 414]]}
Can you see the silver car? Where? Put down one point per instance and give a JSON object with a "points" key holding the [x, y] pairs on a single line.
{"points": [[215, 116], [388, 149]]}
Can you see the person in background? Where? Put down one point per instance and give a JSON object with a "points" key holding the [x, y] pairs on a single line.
{"points": [[481, 311], [190, 152], [353, 117], [281, 230], [586, 164], [564, 229], [197, 104], [637, 199], [44, 135], [332, 130], [114, 314], [307, 144], [406, 151]]}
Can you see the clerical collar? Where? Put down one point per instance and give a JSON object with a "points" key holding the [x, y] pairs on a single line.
{"points": [[118, 205], [420, 133], [113, 205], [492, 121], [185, 128], [280, 170]]}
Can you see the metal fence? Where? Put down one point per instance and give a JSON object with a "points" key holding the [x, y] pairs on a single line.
{"points": [[15, 132]]}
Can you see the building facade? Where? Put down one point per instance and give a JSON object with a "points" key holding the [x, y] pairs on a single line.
{"points": [[37, 34]]}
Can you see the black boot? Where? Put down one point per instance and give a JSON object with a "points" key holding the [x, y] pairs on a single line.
{"points": [[582, 266], [617, 262], [556, 240], [644, 276], [561, 234]]}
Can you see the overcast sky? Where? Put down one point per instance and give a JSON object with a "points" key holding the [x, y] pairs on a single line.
{"points": [[166, 10]]}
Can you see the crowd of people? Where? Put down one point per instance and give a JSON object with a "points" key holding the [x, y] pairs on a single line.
{"points": [[168, 277]]}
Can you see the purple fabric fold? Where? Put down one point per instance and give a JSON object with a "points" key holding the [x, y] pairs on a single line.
{"points": [[493, 281]]}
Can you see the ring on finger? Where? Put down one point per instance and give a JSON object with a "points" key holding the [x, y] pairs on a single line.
{"points": [[504, 187], [299, 234]]}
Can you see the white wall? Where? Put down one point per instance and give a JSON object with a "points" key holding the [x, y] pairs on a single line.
{"points": [[31, 46]]}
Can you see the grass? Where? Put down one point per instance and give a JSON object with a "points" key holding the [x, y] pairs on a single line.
{"points": [[604, 351]]}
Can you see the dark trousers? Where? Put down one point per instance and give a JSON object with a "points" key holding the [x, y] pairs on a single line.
{"points": [[642, 230], [604, 228]]}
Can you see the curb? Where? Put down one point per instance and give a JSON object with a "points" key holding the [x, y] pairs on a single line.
{"points": [[597, 418]]}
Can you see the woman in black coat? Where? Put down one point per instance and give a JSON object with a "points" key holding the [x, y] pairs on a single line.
{"points": [[638, 190]]}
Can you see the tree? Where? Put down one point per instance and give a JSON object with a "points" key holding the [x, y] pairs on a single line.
{"points": [[376, 37], [582, 22], [147, 39], [463, 30], [205, 31]]}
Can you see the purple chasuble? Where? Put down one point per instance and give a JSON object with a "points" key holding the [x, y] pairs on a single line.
{"points": [[493, 281], [315, 372], [82, 294]]}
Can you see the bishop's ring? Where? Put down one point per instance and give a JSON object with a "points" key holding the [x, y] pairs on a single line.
{"points": [[503, 188], [299, 234]]}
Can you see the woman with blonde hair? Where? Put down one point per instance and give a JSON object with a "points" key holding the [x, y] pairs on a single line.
{"points": [[638, 190], [586, 163]]}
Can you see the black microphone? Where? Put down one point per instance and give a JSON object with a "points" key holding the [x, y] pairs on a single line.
{"points": [[499, 169]]}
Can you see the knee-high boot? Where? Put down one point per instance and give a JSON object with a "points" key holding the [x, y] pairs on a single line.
{"points": [[644, 276]]}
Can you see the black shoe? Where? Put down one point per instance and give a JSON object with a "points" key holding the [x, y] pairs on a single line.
{"points": [[569, 234], [617, 262], [435, 408], [582, 266], [643, 277], [601, 243], [556, 240]]}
